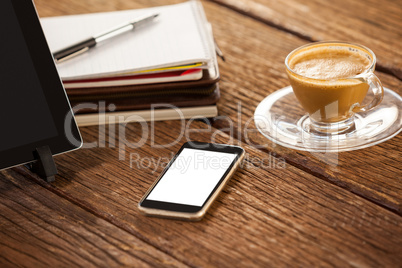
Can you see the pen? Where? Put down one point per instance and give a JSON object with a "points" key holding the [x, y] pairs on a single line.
{"points": [[218, 51], [85, 45]]}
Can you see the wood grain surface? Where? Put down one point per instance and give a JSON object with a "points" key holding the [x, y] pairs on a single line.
{"points": [[377, 25], [254, 68], [284, 208], [269, 214], [40, 229]]}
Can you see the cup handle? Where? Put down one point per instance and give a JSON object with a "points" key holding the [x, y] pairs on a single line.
{"points": [[376, 86]]}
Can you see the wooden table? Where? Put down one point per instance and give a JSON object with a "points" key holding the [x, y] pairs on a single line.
{"points": [[284, 208]]}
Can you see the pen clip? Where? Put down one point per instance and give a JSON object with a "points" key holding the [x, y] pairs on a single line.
{"points": [[218, 51]]}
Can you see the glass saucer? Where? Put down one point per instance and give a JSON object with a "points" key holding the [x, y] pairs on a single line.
{"points": [[280, 118]]}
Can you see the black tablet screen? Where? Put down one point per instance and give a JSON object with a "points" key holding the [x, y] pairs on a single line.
{"points": [[24, 112]]}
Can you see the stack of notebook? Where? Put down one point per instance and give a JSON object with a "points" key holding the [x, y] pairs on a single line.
{"points": [[169, 62]]}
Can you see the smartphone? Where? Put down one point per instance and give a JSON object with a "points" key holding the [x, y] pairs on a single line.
{"points": [[191, 181]]}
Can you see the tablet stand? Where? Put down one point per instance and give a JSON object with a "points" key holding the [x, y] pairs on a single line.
{"points": [[44, 165]]}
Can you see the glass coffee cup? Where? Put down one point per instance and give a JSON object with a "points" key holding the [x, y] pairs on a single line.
{"points": [[331, 80]]}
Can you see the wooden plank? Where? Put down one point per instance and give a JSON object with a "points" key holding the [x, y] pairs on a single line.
{"points": [[41, 229], [371, 23], [60, 8], [254, 68], [270, 214]]}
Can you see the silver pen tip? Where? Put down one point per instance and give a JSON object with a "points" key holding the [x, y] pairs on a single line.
{"points": [[144, 19]]}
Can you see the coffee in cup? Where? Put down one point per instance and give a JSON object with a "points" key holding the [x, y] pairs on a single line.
{"points": [[331, 80]]}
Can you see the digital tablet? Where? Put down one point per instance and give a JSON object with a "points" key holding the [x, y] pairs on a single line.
{"points": [[34, 109]]}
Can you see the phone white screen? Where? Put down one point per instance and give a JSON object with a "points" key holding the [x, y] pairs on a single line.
{"points": [[192, 177]]}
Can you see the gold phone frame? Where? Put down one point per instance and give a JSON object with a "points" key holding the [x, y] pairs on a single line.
{"points": [[190, 216]]}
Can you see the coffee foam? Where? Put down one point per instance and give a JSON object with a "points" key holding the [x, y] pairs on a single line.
{"points": [[329, 62]]}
